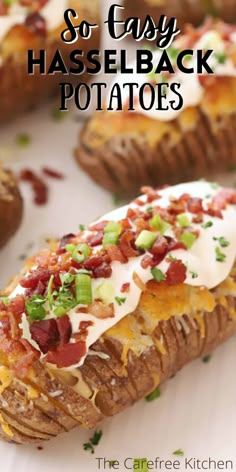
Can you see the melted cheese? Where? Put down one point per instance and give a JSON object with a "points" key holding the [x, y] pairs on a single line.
{"points": [[5, 378]]}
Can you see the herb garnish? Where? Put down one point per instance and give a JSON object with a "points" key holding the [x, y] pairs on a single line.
{"points": [[94, 441], [206, 359], [158, 275], [208, 224], [222, 241], [178, 452], [220, 256], [120, 300], [23, 140], [153, 395]]}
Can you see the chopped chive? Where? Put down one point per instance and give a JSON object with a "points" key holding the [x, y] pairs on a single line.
{"points": [[153, 395], [188, 239], [82, 227], [194, 274], [145, 240], [83, 289], [158, 275], [178, 452], [79, 252], [113, 227], [110, 238], [206, 359], [183, 220], [149, 209], [94, 441], [208, 224], [221, 57], [111, 233], [120, 300], [5, 300], [220, 256], [34, 308], [23, 140], [159, 224]]}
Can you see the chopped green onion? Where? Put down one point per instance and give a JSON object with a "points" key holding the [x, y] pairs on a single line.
{"points": [[158, 223], [208, 224], [105, 292], [82, 227], [110, 238], [58, 115], [67, 278], [222, 241], [145, 240], [50, 294], [120, 300], [79, 253], [113, 227], [173, 53], [221, 57], [158, 275], [188, 239], [153, 395], [116, 199], [23, 140], [178, 452], [140, 465], [183, 220], [220, 256], [83, 289], [194, 274], [149, 209], [94, 441], [34, 308]]}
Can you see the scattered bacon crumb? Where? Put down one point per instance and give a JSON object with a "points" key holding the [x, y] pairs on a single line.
{"points": [[39, 187], [125, 288], [52, 173], [176, 273]]}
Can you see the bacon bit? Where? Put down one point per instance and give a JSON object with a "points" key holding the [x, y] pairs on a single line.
{"points": [[115, 253], [36, 24], [64, 328], [66, 240], [174, 245], [93, 262], [99, 226], [46, 334], [52, 173], [125, 224], [17, 305], [141, 225], [139, 282], [104, 270], [126, 244], [139, 202], [125, 288], [160, 246], [24, 363], [84, 325], [194, 205], [146, 261], [151, 193], [32, 280], [67, 355], [133, 213], [96, 239], [39, 187], [198, 218], [100, 310], [176, 206], [215, 212], [176, 273], [3, 9]]}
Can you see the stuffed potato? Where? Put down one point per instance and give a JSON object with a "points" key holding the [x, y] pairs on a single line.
{"points": [[11, 206], [122, 150], [100, 320], [37, 25], [186, 11]]}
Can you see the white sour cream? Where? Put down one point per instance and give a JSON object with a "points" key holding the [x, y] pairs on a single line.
{"points": [[200, 260], [191, 88]]}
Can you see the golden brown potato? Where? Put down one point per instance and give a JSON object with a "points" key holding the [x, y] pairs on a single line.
{"points": [[19, 91], [173, 322], [11, 206]]}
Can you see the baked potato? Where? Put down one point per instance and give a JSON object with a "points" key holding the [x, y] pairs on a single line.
{"points": [[11, 206], [103, 317], [186, 11], [37, 25], [123, 149]]}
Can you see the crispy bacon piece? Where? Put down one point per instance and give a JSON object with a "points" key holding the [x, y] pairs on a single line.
{"points": [[67, 354], [126, 244], [194, 205], [125, 288], [39, 187], [64, 328], [36, 24], [52, 173], [151, 193], [160, 246], [46, 334], [31, 281], [115, 253], [176, 273]]}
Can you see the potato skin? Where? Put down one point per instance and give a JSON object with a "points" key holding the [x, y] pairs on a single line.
{"points": [[21, 92], [186, 11], [123, 151], [11, 206]]}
